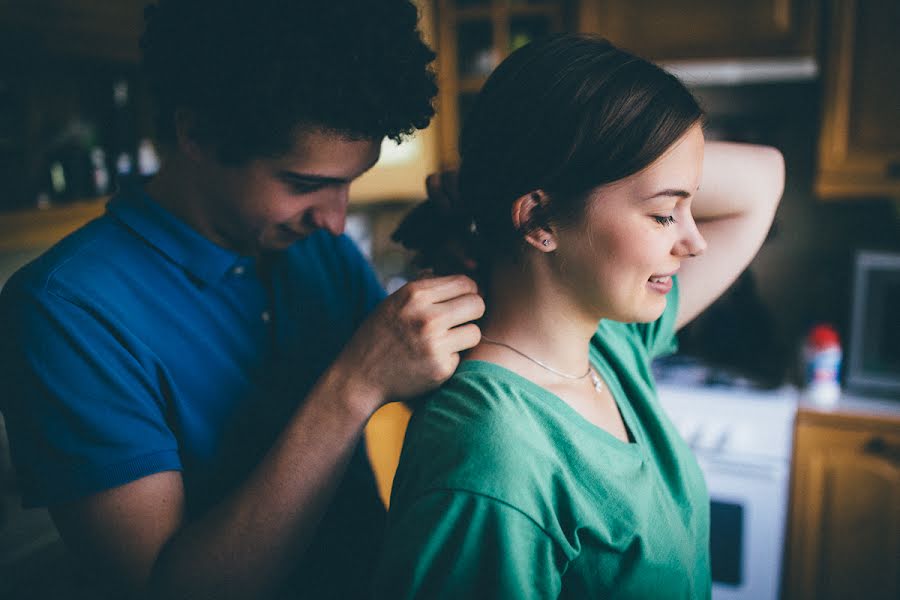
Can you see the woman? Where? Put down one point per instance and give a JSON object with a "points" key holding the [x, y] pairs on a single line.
{"points": [[545, 467]]}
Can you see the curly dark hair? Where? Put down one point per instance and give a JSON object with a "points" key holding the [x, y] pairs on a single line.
{"points": [[253, 72]]}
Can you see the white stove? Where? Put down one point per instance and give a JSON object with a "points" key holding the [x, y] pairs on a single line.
{"points": [[742, 439]]}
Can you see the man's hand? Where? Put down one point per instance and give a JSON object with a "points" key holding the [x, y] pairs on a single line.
{"points": [[411, 342]]}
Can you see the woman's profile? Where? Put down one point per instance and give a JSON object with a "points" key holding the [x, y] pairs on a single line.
{"points": [[597, 222]]}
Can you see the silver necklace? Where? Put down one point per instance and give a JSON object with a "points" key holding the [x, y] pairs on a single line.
{"points": [[595, 379]]}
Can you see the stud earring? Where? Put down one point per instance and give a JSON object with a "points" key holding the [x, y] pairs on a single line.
{"points": [[545, 242]]}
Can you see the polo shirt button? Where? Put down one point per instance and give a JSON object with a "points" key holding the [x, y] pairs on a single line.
{"points": [[266, 317], [238, 270]]}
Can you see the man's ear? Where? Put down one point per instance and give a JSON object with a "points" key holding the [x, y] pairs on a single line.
{"points": [[185, 134], [526, 211]]}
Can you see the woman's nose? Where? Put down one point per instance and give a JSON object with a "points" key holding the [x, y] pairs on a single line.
{"points": [[692, 242]]}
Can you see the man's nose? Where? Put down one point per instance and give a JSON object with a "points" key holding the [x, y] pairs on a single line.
{"points": [[332, 215]]}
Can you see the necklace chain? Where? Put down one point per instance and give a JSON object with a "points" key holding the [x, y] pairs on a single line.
{"points": [[595, 379]]}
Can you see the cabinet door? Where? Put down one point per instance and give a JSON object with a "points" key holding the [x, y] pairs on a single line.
{"points": [[104, 29], [694, 29], [474, 36], [845, 514], [859, 146]]}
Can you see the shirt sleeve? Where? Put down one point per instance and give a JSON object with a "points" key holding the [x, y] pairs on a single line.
{"points": [[456, 544], [659, 336], [83, 408]]}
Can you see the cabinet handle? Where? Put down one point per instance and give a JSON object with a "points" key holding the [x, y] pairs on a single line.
{"points": [[878, 446]]}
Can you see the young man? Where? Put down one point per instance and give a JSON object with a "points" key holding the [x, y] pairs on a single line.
{"points": [[193, 370]]}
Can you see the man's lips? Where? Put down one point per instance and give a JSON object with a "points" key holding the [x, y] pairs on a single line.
{"points": [[291, 231]]}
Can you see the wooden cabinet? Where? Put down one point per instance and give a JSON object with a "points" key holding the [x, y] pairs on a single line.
{"points": [[845, 508], [473, 37], [99, 29], [401, 171], [704, 29], [859, 145]]}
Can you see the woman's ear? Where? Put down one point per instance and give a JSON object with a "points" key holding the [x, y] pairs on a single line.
{"points": [[527, 213]]}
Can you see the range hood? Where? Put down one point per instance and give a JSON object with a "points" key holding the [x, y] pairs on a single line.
{"points": [[743, 71]]}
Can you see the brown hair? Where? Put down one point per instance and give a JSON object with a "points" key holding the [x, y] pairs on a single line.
{"points": [[565, 115]]}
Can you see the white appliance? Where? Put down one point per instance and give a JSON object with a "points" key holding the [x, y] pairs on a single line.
{"points": [[742, 439]]}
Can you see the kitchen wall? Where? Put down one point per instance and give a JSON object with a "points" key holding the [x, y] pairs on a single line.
{"points": [[803, 273]]}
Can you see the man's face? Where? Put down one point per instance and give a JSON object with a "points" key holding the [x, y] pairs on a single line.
{"points": [[270, 203]]}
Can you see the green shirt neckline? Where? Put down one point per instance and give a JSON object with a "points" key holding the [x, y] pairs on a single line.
{"points": [[636, 447]]}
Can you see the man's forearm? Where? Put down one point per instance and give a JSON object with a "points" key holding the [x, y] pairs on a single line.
{"points": [[241, 548]]}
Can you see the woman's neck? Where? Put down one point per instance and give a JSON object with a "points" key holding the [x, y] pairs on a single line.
{"points": [[534, 316]]}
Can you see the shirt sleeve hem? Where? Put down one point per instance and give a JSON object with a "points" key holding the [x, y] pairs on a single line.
{"points": [[74, 484]]}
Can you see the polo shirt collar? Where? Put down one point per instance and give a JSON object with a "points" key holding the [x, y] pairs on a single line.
{"points": [[171, 236]]}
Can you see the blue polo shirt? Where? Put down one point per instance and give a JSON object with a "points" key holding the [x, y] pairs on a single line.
{"points": [[136, 345]]}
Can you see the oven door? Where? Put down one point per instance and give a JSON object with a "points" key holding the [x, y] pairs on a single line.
{"points": [[748, 505]]}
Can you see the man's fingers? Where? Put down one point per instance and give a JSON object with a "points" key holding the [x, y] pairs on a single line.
{"points": [[441, 289], [463, 337], [459, 310]]}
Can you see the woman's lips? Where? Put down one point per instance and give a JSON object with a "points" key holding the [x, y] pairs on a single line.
{"points": [[661, 283]]}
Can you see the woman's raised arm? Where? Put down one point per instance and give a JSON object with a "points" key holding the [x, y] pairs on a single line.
{"points": [[734, 208]]}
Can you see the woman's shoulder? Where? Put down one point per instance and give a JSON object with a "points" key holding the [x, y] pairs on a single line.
{"points": [[478, 433], [478, 404]]}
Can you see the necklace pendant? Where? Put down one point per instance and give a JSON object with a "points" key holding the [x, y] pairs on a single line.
{"points": [[595, 379]]}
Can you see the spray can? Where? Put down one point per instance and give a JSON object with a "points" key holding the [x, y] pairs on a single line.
{"points": [[822, 356]]}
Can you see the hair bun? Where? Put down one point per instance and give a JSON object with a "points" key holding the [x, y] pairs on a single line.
{"points": [[440, 236]]}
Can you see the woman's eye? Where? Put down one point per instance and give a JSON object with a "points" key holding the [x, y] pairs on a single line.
{"points": [[664, 220]]}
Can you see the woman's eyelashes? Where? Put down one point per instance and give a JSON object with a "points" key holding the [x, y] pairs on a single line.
{"points": [[665, 220]]}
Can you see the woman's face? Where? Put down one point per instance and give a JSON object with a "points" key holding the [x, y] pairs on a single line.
{"points": [[618, 261]]}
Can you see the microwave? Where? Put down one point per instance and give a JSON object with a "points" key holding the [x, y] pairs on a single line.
{"points": [[873, 355]]}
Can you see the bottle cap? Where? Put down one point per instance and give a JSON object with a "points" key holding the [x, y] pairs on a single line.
{"points": [[823, 336]]}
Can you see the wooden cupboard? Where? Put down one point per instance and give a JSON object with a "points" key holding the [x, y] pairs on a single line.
{"points": [[844, 538], [859, 144], [473, 37], [98, 29], [704, 29]]}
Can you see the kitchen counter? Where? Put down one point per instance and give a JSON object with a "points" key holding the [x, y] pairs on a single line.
{"points": [[852, 405]]}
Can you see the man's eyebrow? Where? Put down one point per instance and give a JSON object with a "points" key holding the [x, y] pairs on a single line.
{"points": [[312, 178], [308, 178]]}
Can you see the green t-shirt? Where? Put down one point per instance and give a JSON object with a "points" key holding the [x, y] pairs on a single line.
{"points": [[504, 491]]}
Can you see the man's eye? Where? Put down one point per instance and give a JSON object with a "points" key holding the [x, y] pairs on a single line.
{"points": [[305, 188], [664, 220]]}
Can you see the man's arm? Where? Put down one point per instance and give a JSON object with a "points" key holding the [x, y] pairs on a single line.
{"points": [[137, 533], [734, 208]]}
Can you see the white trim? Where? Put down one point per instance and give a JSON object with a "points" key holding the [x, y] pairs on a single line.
{"points": [[743, 71]]}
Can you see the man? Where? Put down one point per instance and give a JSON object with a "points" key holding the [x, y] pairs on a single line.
{"points": [[193, 371]]}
